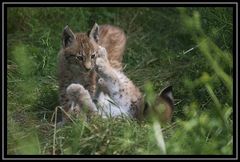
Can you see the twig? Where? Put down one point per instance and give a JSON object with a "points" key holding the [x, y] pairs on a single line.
{"points": [[130, 24], [55, 129], [159, 137], [66, 114], [189, 50], [178, 102], [53, 115]]}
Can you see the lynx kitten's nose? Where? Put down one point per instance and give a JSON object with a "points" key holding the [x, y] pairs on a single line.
{"points": [[87, 65]]}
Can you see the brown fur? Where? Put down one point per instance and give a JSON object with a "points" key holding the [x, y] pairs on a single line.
{"points": [[166, 116], [163, 107]]}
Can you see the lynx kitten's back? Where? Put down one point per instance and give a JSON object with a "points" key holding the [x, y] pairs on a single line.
{"points": [[113, 39]]}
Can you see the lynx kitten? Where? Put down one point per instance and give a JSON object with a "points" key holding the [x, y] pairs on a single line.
{"points": [[78, 53]]}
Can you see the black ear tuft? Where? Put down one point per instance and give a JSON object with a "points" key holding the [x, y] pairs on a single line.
{"points": [[166, 90], [167, 95], [94, 33], [67, 37]]}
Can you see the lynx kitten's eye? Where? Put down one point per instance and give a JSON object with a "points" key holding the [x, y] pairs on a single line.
{"points": [[79, 58], [93, 55]]}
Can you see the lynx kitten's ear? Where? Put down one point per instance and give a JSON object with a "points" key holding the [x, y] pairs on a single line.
{"points": [[166, 98], [67, 37], [167, 95], [94, 33]]}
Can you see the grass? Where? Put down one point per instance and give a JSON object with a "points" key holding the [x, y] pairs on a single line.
{"points": [[189, 48]]}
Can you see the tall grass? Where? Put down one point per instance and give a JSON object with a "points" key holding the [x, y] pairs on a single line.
{"points": [[189, 48]]}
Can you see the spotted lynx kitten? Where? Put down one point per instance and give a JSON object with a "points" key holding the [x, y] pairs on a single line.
{"points": [[87, 61], [118, 96], [78, 53]]}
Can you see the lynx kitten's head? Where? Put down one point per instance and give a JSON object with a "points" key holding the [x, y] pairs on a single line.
{"points": [[80, 49]]}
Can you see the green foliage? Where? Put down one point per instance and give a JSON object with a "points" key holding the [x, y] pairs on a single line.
{"points": [[189, 48], [207, 128], [106, 136]]}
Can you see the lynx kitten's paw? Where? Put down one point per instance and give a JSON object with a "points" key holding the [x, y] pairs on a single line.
{"points": [[75, 90], [101, 65], [102, 53], [102, 62]]}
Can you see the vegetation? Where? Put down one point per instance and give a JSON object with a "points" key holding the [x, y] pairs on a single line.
{"points": [[189, 48]]}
